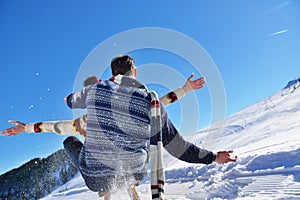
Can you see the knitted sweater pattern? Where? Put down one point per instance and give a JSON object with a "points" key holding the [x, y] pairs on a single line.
{"points": [[118, 127]]}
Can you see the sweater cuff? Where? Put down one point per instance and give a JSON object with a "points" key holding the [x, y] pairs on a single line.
{"points": [[29, 128], [210, 158], [214, 157], [179, 93]]}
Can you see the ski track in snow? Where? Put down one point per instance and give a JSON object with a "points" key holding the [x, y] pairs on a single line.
{"points": [[266, 138]]}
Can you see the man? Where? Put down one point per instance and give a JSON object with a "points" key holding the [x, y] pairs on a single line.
{"points": [[120, 130]]}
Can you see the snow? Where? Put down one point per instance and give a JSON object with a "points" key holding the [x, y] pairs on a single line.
{"points": [[264, 136]]}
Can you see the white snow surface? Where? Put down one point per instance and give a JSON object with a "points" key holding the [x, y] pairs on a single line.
{"points": [[264, 136]]}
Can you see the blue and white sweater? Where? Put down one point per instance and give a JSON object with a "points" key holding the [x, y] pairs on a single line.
{"points": [[118, 129]]}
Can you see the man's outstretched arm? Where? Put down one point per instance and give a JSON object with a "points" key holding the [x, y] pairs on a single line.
{"points": [[174, 143]]}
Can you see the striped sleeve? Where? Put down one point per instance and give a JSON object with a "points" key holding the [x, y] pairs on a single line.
{"points": [[77, 126], [172, 97]]}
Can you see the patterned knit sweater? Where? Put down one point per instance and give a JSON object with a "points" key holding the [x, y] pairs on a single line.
{"points": [[118, 125]]}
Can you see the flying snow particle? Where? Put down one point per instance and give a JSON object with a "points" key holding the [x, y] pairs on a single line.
{"points": [[12, 107], [48, 89], [115, 44], [31, 106], [36, 73]]}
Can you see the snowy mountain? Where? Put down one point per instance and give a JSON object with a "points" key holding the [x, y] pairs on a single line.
{"points": [[265, 137]]}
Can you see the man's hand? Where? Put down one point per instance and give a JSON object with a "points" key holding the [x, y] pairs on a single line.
{"points": [[224, 157], [193, 85], [18, 128]]}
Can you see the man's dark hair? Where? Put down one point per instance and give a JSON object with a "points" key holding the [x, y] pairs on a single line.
{"points": [[91, 80], [123, 65]]}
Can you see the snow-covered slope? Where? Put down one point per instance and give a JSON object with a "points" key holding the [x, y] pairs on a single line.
{"points": [[265, 137]]}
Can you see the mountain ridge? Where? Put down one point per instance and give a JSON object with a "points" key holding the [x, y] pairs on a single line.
{"points": [[37, 178]]}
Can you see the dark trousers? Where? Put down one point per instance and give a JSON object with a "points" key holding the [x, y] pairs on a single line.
{"points": [[73, 147]]}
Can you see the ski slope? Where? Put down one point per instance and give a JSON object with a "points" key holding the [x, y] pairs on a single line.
{"points": [[265, 137]]}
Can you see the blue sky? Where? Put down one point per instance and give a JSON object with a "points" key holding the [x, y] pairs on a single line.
{"points": [[254, 44]]}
